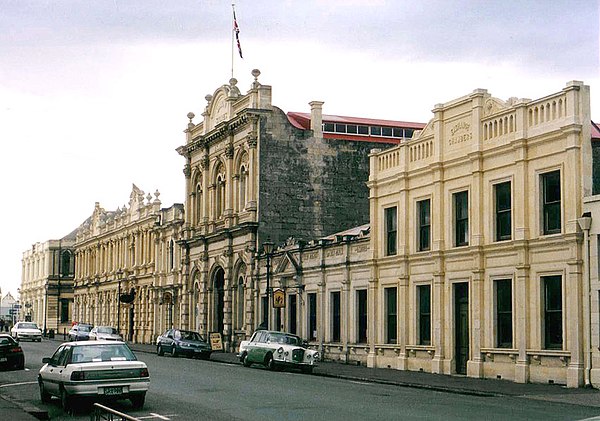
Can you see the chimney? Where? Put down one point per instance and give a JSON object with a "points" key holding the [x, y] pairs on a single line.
{"points": [[316, 117]]}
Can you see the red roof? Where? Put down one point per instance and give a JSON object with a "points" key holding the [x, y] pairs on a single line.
{"points": [[302, 121], [595, 131]]}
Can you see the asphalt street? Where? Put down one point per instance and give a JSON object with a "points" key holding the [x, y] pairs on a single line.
{"points": [[185, 389]]}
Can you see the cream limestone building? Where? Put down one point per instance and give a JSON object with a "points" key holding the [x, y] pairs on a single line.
{"points": [[46, 293], [476, 241], [130, 253]]}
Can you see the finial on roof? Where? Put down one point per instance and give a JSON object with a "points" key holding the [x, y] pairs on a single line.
{"points": [[190, 115], [256, 74], [156, 194]]}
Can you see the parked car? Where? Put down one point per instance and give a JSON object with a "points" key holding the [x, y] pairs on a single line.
{"points": [[183, 342], [277, 350], [80, 332], [26, 330], [105, 333], [11, 354], [97, 370]]}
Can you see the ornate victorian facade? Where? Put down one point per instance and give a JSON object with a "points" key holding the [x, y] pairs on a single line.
{"points": [[130, 253], [46, 293], [255, 174]]}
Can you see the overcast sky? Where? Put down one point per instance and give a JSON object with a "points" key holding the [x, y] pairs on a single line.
{"points": [[94, 94]]}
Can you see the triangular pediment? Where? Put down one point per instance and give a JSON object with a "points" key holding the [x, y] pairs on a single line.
{"points": [[287, 263]]}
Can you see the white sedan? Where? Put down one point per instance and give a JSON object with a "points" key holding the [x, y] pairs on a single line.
{"points": [[26, 330], [275, 349], [93, 369]]}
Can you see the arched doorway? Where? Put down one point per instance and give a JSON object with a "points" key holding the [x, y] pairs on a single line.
{"points": [[219, 299]]}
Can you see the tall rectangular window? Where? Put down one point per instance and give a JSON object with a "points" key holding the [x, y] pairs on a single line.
{"points": [[424, 224], [391, 315], [424, 297], [361, 301], [64, 311], [504, 326], [335, 316], [293, 313], [312, 316], [553, 333], [461, 219], [391, 230], [503, 211], [265, 310], [551, 202]]}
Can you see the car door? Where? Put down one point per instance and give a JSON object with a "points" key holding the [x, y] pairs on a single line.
{"points": [[256, 347], [92, 334], [167, 341], [51, 375]]}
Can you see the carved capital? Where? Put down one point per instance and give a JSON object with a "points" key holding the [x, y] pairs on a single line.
{"points": [[187, 171], [204, 162], [252, 140], [229, 151]]}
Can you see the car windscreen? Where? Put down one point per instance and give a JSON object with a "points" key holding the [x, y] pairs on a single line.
{"points": [[27, 326], [191, 336], [102, 352], [281, 338], [106, 329], [84, 328]]}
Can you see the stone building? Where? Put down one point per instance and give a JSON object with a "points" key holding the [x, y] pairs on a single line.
{"points": [[131, 254], [255, 174], [477, 245], [46, 293]]}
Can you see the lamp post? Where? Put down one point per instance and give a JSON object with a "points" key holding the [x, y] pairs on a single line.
{"points": [[268, 249]]}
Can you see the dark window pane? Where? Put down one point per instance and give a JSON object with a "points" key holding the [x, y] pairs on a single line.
{"points": [[335, 314], [375, 131], [386, 131], [328, 127], [340, 128], [351, 128], [312, 316], [398, 132], [408, 133], [363, 130], [461, 208], [361, 296], [424, 314], [552, 312], [504, 313], [391, 230], [391, 295], [424, 224], [503, 212], [551, 202]]}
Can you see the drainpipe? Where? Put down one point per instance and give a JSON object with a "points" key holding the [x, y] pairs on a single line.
{"points": [[585, 223]]}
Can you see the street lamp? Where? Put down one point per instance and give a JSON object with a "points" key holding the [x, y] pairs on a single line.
{"points": [[268, 249]]}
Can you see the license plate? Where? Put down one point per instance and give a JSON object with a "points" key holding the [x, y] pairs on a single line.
{"points": [[113, 390], [3, 360]]}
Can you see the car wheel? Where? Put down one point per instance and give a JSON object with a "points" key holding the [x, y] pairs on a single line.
{"points": [[174, 352], [270, 362], [44, 396], [20, 365], [307, 369], [138, 400], [160, 351], [65, 400], [245, 360]]}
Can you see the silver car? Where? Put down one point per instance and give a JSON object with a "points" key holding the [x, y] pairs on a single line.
{"points": [[26, 330], [104, 333], [93, 369]]}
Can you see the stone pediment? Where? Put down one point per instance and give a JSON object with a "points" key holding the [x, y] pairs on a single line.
{"points": [[426, 132], [287, 263], [493, 106], [218, 108]]}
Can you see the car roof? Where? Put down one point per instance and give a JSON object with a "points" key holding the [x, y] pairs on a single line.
{"points": [[88, 343]]}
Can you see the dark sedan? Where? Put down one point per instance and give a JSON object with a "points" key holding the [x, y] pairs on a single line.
{"points": [[11, 354], [183, 342], [80, 332]]}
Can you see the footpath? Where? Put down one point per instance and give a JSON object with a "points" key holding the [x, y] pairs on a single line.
{"points": [[436, 382]]}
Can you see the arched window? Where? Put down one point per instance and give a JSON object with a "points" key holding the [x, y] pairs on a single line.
{"points": [[219, 194], [65, 263], [171, 253], [243, 187], [239, 321], [198, 207]]}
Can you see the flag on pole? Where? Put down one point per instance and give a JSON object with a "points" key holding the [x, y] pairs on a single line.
{"points": [[236, 28]]}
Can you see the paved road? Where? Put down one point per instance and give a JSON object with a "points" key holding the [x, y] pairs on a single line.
{"points": [[183, 389]]}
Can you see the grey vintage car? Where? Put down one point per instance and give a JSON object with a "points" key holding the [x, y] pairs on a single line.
{"points": [[277, 350]]}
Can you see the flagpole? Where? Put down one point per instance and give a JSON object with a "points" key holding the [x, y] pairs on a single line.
{"points": [[232, 35]]}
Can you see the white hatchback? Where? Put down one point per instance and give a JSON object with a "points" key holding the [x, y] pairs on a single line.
{"points": [[26, 330], [94, 369]]}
